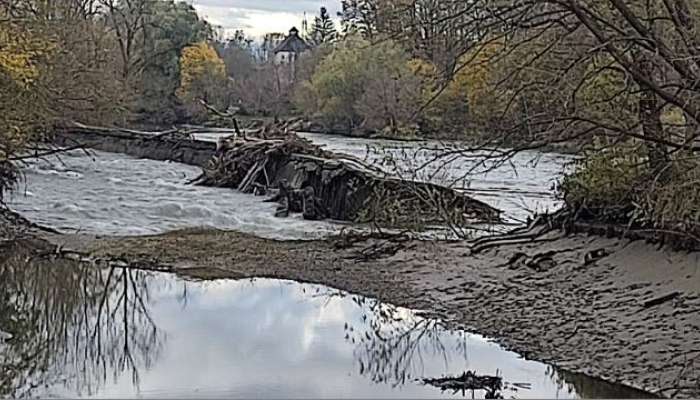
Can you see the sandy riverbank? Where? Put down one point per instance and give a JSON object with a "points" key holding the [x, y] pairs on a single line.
{"points": [[584, 317]]}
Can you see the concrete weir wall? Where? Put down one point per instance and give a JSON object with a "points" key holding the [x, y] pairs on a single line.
{"points": [[140, 145]]}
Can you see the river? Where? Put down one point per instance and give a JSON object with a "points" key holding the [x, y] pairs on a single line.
{"points": [[121, 333], [104, 193]]}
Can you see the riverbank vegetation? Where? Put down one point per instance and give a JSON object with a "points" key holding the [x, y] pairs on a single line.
{"points": [[103, 62], [617, 79], [613, 83]]}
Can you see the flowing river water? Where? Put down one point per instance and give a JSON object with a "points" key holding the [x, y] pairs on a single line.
{"points": [[69, 329], [104, 193]]}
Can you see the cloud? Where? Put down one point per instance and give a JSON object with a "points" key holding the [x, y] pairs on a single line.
{"points": [[258, 17]]}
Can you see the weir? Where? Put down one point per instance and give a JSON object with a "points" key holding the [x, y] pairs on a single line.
{"points": [[301, 175]]}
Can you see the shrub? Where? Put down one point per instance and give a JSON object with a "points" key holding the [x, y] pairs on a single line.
{"points": [[617, 186]]}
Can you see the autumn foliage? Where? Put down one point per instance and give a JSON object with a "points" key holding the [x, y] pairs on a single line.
{"points": [[20, 54], [202, 76]]}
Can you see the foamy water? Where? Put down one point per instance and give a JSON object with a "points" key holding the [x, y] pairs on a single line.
{"points": [[107, 193]]}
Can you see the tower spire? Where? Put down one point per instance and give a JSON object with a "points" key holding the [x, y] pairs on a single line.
{"points": [[304, 26]]}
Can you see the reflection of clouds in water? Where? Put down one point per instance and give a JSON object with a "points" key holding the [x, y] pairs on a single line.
{"points": [[279, 339], [253, 340], [262, 338]]}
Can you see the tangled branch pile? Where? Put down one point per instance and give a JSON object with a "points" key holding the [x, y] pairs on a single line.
{"points": [[469, 381], [322, 184]]}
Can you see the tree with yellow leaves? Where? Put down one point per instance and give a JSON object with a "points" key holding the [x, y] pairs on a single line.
{"points": [[470, 97], [21, 112], [202, 77], [477, 78], [20, 54]]}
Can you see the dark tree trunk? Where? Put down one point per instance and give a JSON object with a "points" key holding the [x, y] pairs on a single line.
{"points": [[650, 117]]}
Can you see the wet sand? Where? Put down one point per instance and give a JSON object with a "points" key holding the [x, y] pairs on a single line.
{"points": [[583, 315]]}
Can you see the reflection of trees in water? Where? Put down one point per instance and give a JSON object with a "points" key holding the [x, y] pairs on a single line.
{"points": [[71, 323], [590, 388], [392, 343], [562, 381]]}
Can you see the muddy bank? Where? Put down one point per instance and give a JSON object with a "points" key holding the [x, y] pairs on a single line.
{"points": [[549, 300]]}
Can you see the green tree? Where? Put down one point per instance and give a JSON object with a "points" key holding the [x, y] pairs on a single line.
{"points": [[323, 29], [358, 17], [150, 37], [361, 86], [171, 28]]}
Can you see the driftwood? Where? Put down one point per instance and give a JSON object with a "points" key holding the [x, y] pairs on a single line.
{"points": [[469, 381], [531, 233], [323, 184]]}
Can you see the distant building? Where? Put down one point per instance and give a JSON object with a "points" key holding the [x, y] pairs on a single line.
{"points": [[291, 47], [270, 43]]}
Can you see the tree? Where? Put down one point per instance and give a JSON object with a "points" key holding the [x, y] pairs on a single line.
{"points": [[358, 17], [22, 114], [151, 36], [392, 93], [617, 77], [57, 65], [20, 53], [265, 92], [467, 99], [238, 56], [654, 44], [202, 77], [128, 20], [360, 86], [336, 85], [431, 29], [63, 39], [171, 27], [323, 29]]}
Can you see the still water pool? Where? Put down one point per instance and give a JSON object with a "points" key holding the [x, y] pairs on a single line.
{"points": [[72, 329]]}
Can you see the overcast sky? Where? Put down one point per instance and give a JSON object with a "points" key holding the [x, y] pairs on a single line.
{"points": [[258, 17]]}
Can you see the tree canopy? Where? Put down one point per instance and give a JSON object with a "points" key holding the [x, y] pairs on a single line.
{"points": [[202, 76], [323, 29]]}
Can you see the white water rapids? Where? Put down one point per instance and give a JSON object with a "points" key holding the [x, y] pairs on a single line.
{"points": [[105, 193]]}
